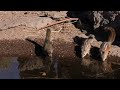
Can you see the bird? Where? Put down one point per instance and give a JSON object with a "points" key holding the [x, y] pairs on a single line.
{"points": [[106, 46], [86, 46]]}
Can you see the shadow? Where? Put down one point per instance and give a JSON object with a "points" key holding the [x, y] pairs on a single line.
{"points": [[47, 61], [100, 34], [39, 50], [78, 51], [94, 51], [84, 23], [78, 41], [116, 26], [95, 54]]}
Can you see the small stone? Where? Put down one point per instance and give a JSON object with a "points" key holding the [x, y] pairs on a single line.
{"points": [[43, 74]]}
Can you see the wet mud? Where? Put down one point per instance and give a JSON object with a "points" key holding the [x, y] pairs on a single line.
{"points": [[35, 68], [20, 59]]}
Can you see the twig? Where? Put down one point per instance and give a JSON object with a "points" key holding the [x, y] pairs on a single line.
{"points": [[68, 19]]}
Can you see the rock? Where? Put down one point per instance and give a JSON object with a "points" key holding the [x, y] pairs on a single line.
{"points": [[96, 19], [43, 74], [39, 22], [32, 22], [56, 14]]}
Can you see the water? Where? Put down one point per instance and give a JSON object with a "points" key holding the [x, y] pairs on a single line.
{"points": [[9, 68], [36, 68]]}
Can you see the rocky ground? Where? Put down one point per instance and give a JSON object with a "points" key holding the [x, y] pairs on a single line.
{"points": [[16, 26]]}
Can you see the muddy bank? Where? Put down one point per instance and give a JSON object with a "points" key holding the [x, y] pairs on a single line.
{"points": [[64, 51], [17, 26], [25, 48]]}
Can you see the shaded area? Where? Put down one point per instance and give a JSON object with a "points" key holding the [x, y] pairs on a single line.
{"points": [[39, 50], [93, 22], [86, 20], [94, 51], [78, 41]]}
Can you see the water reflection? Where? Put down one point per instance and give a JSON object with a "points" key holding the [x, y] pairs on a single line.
{"points": [[36, 68], [95, 68], [9, 68]]}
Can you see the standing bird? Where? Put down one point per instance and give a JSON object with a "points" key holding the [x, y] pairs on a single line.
{"points": [[86, 46], [48, 44], [106, 46]]}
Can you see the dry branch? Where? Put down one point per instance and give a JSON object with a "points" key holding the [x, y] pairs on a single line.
{"points": [[67, 19]]}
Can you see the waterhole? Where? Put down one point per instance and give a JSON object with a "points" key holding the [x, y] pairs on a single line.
{"points": [[35, 67]]}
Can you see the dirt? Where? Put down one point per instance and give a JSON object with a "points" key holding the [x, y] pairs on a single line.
{"points": [[16, 26]]}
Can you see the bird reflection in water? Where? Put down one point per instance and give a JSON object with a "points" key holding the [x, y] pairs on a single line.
{"points": [[95, 68]]}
